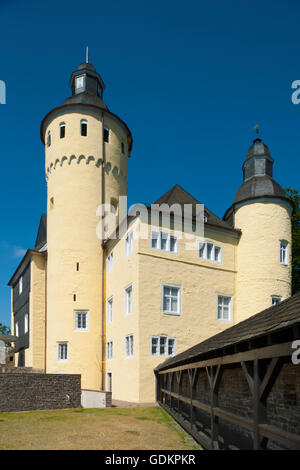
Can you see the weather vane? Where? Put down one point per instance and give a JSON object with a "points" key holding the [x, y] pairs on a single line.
{"points": [[256, 128], [87, 54]]}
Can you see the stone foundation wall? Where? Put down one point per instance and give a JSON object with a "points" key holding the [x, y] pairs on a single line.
{"points": [[34, 391]]}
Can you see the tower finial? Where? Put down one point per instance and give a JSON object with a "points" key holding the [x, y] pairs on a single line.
{"points": [[256, 128], [87, 54]]}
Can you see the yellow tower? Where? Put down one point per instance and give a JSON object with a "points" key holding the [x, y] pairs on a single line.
{"points": [[87, 149], [263, 213]]}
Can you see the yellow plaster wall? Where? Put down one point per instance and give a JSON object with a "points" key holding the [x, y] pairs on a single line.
{"points": [[35, 354], [74, 194], [125, 370], [200, 281], [260, 275]]}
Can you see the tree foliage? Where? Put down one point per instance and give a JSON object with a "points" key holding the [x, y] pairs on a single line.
{"points": [[294, 196], [4, 330]]}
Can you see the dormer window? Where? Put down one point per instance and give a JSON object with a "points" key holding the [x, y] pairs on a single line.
{"points": [[79, 84], [83, 128], [99, 90], [62, 130]]}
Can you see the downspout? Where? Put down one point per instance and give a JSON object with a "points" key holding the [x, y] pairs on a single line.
{"points": [[103, 264]]}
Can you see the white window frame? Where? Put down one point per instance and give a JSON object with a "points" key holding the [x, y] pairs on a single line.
{"points": [[129, 341], [284, 260], [229, 319], [172, 286], [62, 343], [129, 243], [128, 289], [158, 237], [20, 285], [109, 350], [76, 315], [166, 346], [26, 322], [213, 251], [275, 299], [17, 328], [109, 310], [77, 87], [110, 262]]}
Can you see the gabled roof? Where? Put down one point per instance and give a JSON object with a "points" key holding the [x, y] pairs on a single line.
{"points": [[268, 321], [178, 195]]}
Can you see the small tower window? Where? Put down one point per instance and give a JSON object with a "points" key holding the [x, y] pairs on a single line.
{"points": [[283, 253], [106, 134], [48, 139], [83, 128], [79, 83], [122, 147], [62, 130]]}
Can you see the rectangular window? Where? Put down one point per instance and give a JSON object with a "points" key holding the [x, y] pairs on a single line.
{"points": [[210, 251], [110, 259], [164, 241], [83, 128], [17, 329], [173, 244], [171, 299], [275, 299], [109, 350], [110, 310], [20, 285], [122, 147], [283, 252], [129, 346], [26, 323], [79, 82], [155, 240], [62, 351], [128, 300], [129, 244], [106, 134], [202, 247], [81, 320], [224, 307], [163, 346], [62, 131]]}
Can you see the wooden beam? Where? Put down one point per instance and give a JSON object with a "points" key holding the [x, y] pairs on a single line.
{"points": [[267, 352]]}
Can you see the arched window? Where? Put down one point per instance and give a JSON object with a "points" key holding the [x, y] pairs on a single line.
{"points": [[83, 127], [48, 139], [62, 130]]}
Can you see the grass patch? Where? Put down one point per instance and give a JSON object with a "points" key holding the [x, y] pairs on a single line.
{"points": [[149, 428]]}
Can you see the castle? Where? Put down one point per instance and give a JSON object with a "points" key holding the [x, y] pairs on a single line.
{"points": [[113, 310]]}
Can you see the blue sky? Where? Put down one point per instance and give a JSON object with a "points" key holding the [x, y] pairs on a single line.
{"points": [[190, 79]]}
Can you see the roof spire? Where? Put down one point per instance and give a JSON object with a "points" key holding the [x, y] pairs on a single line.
{"points": [[87, 54]]}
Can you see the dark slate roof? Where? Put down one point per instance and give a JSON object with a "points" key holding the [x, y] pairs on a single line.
{"points": [[86, 98], [259, 186], [178, 195], [268, 321], [258, 148], [41, 238]]}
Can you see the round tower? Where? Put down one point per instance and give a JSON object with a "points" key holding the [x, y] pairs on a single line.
{"points": [[263, 255], [87, 149]]}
